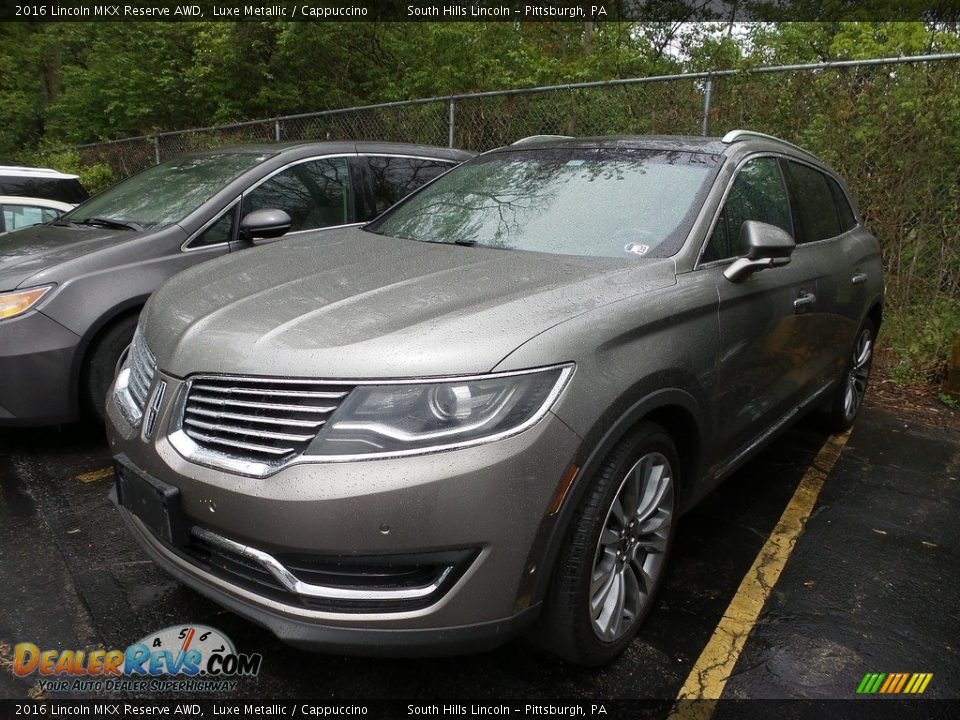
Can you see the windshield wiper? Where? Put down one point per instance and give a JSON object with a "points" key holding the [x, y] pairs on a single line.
{"points": [[462, 243], [110, 223]]}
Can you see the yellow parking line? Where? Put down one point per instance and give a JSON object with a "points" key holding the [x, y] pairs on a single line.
{"points": [[710, 673], [94, 475]]}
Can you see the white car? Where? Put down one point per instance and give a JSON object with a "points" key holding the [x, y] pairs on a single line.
{"points": [[20, 212], [35, 182]]}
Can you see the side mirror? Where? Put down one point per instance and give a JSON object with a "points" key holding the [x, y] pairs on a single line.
{"points": [[767, 246], [266, 223]]}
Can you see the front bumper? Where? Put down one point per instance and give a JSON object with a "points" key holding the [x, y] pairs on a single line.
{"points": [[490, 500], [36, 364]]}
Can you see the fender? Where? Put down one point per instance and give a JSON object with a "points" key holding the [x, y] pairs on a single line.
{"points": [[876, 303], [545, 549], [133, 303]]}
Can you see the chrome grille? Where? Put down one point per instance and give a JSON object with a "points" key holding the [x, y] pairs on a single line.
{"points": [[262, 420], [143, 366], [135, 378]]}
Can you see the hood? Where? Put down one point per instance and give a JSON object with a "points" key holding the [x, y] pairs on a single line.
{"points": [[24, 253], [351, 304]]}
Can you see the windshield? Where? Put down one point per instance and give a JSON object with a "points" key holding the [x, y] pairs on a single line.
{"points": [[168, 192], [566, 201]]}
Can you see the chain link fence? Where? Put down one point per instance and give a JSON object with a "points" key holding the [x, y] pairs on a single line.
{"points": [[890, 126]]}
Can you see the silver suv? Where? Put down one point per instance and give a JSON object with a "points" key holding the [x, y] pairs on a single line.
{"points": [[484, 411]]}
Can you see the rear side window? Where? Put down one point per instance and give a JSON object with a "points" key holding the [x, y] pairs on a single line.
{"points": [[66, 190], [815, 208], [758, 193], [315, 194], [394, 178], [847, 219]]}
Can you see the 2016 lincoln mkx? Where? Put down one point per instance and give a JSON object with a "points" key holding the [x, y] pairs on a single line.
{"points": [[484, 411]]}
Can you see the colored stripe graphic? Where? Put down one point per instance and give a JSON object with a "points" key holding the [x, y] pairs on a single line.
{"points": [[870, 683], [891, 681], [894, 683]]}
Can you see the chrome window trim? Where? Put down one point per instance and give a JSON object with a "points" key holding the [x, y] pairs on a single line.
{"points": [[723, 201], [301, 161], [698, 265], [294, 163], [448, 161], [192, 452], [184, 246]]}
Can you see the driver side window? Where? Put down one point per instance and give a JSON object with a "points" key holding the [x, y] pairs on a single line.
{"points": [[758, 193], [315, 194]]}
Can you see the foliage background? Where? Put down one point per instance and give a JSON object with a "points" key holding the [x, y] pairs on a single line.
{"points": [[893, 132]]}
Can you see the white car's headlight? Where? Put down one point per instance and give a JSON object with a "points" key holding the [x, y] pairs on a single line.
{"points": [[17, 303], [416, 417]]}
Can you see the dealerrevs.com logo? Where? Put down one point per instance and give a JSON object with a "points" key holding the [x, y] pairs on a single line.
{"points": [[185, 658]]}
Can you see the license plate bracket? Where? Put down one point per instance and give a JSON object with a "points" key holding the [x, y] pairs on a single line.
{"points": [[154, 502]]}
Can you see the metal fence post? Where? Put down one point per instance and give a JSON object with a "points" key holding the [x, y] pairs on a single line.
{"points": [[156, 148], [276, 130], [707, 93], [450, 124]]}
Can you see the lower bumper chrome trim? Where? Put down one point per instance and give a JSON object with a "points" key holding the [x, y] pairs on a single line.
{"points": [[326, 592]]}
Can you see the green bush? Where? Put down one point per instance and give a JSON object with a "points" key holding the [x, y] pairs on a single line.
{"points": [[94, 177], [916, 339]]}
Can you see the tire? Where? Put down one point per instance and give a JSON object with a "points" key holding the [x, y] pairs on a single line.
{"points": [[847, 399], [100, 364], [609, 570]]}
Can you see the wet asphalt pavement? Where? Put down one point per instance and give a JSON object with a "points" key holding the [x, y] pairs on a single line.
{"points": [[872, 585]]}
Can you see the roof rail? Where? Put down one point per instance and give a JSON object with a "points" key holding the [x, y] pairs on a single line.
{"points": [[737, 135], [26, 171], [538, 138]]}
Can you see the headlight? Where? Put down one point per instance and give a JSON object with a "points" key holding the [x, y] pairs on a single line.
{"points": [[415, 417], [17, 303]]}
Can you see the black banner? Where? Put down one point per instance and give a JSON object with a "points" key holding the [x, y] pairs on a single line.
{"points": [[477, 10], [867, 708]]}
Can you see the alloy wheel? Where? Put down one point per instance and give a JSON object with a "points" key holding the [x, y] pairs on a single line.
{"points": [[631, 549], [856, 385]]}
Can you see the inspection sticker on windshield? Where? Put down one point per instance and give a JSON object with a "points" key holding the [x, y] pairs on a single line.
{"points": [[637, 248]]}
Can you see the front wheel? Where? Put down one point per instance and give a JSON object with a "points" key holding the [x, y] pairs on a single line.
{"points": [[848, 398], [101, 364], [613, 562]]}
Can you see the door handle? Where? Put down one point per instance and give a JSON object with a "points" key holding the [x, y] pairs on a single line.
{"points": [[804, 300], [859, 278]]}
